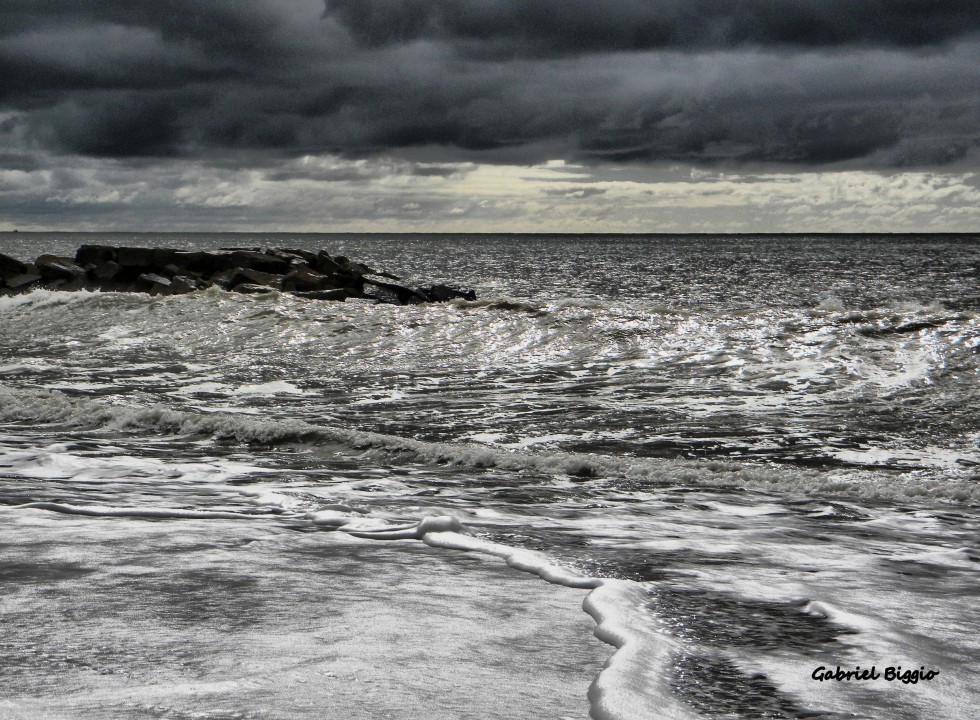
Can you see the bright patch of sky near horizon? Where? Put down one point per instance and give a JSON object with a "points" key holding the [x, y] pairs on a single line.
{"points": [[329, 193]]}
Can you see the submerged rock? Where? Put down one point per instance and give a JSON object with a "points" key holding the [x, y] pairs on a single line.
{"points": [[165, 271]]}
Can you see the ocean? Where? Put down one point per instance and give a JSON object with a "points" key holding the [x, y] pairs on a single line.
{"points": [[639, 477]]}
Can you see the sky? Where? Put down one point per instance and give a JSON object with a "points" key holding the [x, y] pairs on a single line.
{"points": [[490, 115]]}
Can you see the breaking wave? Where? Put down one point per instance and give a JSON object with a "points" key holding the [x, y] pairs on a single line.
{"points": [[53, 407]]}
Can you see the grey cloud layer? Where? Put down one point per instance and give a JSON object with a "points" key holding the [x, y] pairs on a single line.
{"points": [[809, 82], [573, 26]]}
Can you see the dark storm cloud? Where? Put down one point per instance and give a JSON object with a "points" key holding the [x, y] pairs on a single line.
{"points": [[19, 161], [224, 28], [807, 82], [574, 26]]}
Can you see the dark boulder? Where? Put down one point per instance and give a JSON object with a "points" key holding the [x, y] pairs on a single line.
{"points": [[305, 280], [255, 277], [327, 265], [181, 285], [382, 295], [360, 269], [163, 257], [25, 281], [291, 254], [345, 274], [340, 294], [153, 284], [218, 261], [171, 269], [104, 272], [340, 264], [10, 267], [391, 293], [65, 285], [264, 263], [229, 279], [441, 293], [223, 278], [135, 257], [53, 268], [194, 261], [131, 257], [94, 255], [226, 260], [144, 259]]}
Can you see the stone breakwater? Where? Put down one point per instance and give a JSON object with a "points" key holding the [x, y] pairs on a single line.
{"points": [[163, 271]]}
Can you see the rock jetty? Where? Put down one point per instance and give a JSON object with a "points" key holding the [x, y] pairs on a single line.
{"points": [[163, 271]]}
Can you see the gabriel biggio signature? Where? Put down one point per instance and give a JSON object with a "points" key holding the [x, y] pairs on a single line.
{"points": [[889, 673]]}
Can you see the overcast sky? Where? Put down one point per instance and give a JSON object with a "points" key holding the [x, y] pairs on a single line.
{"points": [[490, 115]]}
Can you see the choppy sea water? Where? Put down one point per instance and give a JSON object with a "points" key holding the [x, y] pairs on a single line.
{"points": [[751, 457]]}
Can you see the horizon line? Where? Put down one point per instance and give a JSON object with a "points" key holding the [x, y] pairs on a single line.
{"points": [[491, 232]]}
